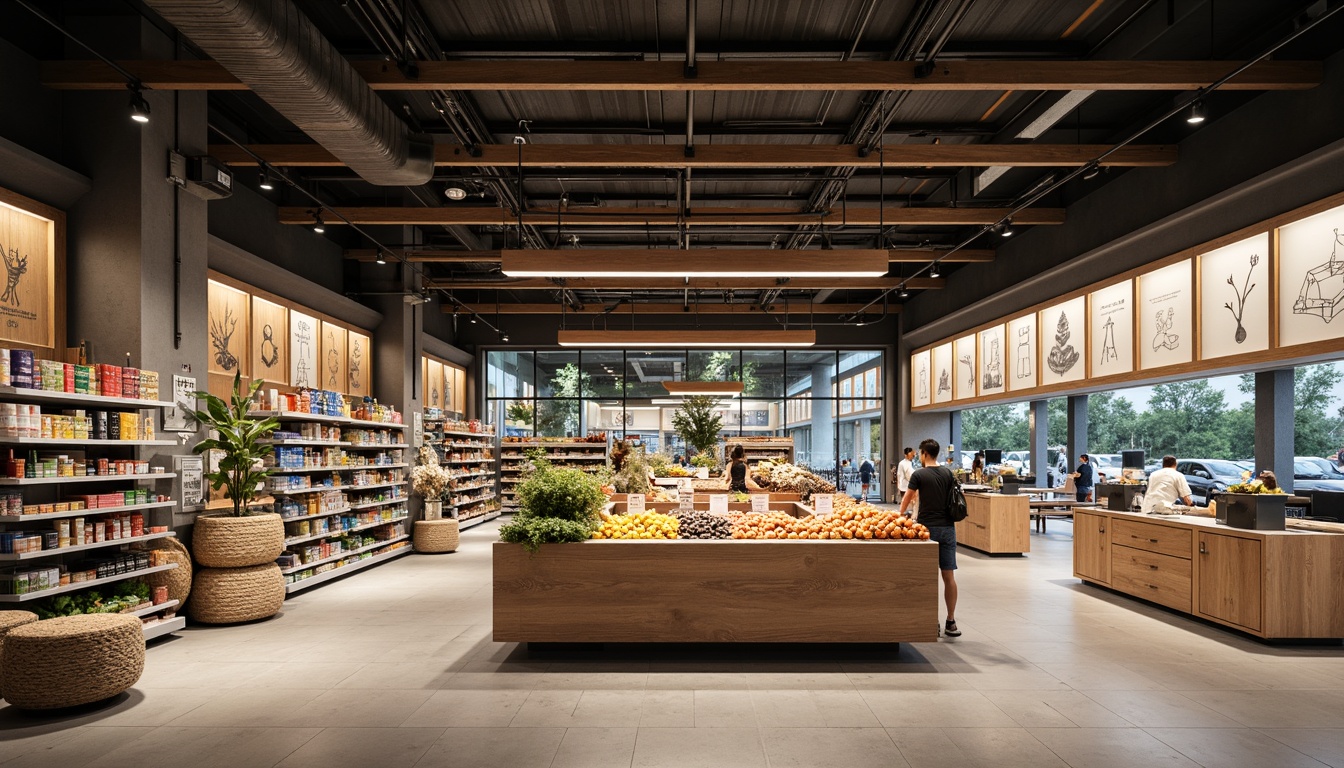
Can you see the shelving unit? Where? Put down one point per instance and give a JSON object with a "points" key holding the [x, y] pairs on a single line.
{"points": [[470, 458], [371, 507], [762, 449], [38, 492], [590, 457]]}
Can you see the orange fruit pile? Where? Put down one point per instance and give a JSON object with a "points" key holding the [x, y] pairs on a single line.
{"points": [[859, 522]]}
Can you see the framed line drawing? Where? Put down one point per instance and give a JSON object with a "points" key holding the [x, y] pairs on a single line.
{"points": [[1022, 342], [963, 368], [1110, 313], [943, 371], [992, 361], [1234, 298], [1311, 279], [1063, 341], [920, 379], [1166, 316]]}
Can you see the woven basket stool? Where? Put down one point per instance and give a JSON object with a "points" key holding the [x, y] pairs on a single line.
{"points": [[177, 580], [8, 621], [435, 536], [72, 660], [234, 595], [223, 541]]}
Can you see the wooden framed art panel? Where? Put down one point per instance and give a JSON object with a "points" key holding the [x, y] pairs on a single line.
{"points": [[357, 363], [1234, 298], [332, 362], [942, 374], [1023, 360], [269, 341], [991, 361], [32, 302], [1063, 333], [921, 390], [963, 380]]}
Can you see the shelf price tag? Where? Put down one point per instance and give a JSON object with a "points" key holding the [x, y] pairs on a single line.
{"points": [[760, 502], [685, 485], [718, 503], [823, 504], [687, 502], [635, 504]]}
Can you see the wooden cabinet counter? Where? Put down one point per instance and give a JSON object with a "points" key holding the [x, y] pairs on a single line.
{"points": [[1278, 585], [996, 523], [702, 591]]}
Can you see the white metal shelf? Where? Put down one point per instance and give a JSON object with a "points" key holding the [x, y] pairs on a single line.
{"points": [[313, 581], [74, 441], [323, 419], [70, 398], [147, 610], [348, 553], [483, 460], [476, 487], [340, 511], [21, 556], [333, 468], [370, 446], [164, 626], [477, 520], [455, 432], [344, 531], [297, 443], [372, 504], [472, 502], [75, 586], [472, 474], [151, 477], [324, 488], [86, 512]]}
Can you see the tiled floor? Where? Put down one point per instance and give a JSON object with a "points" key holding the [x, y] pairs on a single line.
{"points": [[395, 667]]}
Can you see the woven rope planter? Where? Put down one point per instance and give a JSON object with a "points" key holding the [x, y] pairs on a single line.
{"points": [[435, 536], [237, 542], [178, 580], [9, 620], [72, 660], [234, 595]]}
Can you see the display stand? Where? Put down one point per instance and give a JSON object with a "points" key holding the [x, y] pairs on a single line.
{"points": [[996, 524], [761, 448], [352, 514], [43, 508], [470, 458], [570, 452]]}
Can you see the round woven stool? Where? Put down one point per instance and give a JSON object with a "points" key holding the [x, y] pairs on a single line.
{"points": [[177, 580], [8, 621], [72, 660], [234, 595], [435, 536]]}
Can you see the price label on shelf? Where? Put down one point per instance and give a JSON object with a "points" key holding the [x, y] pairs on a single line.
{"points": [[635, 504], [685, 485], [718, 503], [687, 502], [760, 502], [823, 504]]}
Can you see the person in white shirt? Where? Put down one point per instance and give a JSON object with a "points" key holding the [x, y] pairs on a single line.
{"points": [[1165, 487], [904, 470]]}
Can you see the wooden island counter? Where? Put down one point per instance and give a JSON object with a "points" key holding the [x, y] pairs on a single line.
{"points": [[714, 591], [1277, 585], [996, 523]]}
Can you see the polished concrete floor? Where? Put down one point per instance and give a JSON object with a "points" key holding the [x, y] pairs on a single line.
{"points": [[395, 667]]}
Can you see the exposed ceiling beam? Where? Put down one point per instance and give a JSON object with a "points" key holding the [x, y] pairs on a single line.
{"points": [[626, 309], [432, 256], [893, 156], [645, 215], [736, 75], [694, 283]]}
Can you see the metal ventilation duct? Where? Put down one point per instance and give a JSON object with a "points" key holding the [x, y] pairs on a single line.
{"points": [[277, 52]]}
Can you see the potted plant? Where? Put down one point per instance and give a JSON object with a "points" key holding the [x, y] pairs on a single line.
{"points": [[699, 423], [430, 481], [555, 506], [241, 581]]}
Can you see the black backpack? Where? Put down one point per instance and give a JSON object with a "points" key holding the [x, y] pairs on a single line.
{"points": [[956, 500]]}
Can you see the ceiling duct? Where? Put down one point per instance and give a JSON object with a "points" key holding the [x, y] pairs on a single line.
{"points": [[277, 52]]}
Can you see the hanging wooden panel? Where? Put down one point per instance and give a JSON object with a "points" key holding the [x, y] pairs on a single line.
{"points": [[358, 364], [303, 348], [268, 345], [29, 244], [332, 364], [227, 318]]}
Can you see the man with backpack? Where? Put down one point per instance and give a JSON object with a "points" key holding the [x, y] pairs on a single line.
{"points": [[938, 492], [866, 470]]}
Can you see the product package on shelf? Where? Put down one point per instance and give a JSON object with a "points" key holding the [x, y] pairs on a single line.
{"points": [[21, 369]]}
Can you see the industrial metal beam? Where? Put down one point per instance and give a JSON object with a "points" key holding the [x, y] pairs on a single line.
{"points": [[435, 256], [640, 216]]}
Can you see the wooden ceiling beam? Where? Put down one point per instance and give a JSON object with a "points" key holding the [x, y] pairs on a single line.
{"points": [[432, 256], [771, 156], [654, 215], [627, 309], [694, 283], [736, 75]]}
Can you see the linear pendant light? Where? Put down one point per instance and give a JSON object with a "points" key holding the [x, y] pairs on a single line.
{"points": [[666, 262], [719, 339], [708, 388]]}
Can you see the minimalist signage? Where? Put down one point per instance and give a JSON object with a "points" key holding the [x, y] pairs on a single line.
{"points": [[823, 504], [635, 504], [1111, 329], [718, 503], [1166, 322], [760, 502]]}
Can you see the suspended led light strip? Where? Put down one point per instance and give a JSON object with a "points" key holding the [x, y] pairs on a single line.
{"points": [[710, 388], [685, 339], [653, 263]]}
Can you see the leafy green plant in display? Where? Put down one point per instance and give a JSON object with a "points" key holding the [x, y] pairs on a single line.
{"points": [[239, 437], [698, 423], [555, 506]]}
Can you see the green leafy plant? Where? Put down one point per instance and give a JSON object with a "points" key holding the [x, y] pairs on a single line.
{"points": [[555, 506], [239, 437], [704, 459], [634, 474], [532, 532], [699, 423], [520, 411]]}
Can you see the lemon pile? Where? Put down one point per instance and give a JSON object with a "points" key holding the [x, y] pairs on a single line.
{"points": [[646, 525]]}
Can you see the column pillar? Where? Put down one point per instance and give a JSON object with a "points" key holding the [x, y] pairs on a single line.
{"points": [[1274, 432], [823, 423], [1038, 419], [1075, 432], [955, 424]]}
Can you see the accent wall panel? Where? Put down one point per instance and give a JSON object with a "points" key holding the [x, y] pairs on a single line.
{"points": [[1022, 344], [942, 374], [269, 344], [358, 365], [1063, 342], [1111, 329], [1311, 279], [991, 366], [333, 366], [1234, 292], [227, 313], [963, 379], [920, 380], [1166, 316], [303, 346]]}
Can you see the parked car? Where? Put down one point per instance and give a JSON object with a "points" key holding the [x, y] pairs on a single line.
{"points": [[1328, 469], [1208, 476], [1307, 476], [1107, 464]]}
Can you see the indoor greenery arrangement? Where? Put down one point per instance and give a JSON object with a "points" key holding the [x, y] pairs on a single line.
{"points": [[429, 480], [699, 423], [239, 437], [554, 506], [634, 474]]}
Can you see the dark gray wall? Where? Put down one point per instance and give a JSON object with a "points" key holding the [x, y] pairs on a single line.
{"points": [[248, 220]]}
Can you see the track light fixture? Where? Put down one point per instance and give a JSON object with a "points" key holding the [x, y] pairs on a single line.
{"points": [[139, 107], [381, 258], [1197, 114], [267, 180], [473, 319], [904, 294], [317, 223], [1091, 172], [1007, 230], [933, 270], [455, 193]]}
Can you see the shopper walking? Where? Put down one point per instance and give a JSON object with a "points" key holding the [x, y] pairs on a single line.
{"points": [[932, 485], [901, 476], [840, 481], [865, 478], [1083, 479], [1166, 486]]}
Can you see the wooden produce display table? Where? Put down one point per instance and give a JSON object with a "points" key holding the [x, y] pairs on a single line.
{"points": [[805, 591], [1277, 585], [996, 523]]}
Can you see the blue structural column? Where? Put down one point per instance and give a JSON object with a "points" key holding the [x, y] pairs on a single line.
{"points": [[1075, 431], [955, 425], [1038, 418], [1274, 431]]}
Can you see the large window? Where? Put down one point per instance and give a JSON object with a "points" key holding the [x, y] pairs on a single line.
{"points": [[829, 401]]}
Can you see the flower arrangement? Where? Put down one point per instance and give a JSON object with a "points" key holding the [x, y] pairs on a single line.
{"points": [[429, 480]]}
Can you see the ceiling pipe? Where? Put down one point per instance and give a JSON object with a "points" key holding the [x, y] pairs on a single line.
{"points": [[276, 51]]}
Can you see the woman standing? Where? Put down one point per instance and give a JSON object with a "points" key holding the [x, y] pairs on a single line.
{"points": [[739, 479]]}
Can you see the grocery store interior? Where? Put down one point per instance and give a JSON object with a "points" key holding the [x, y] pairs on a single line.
{"points": [[672, 383]]}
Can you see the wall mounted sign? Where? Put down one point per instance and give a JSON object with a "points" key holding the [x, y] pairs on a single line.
{"points": [[964, 368], [992, 363], [942, 373], [1111, 329], [1022, 358], [1311, 279], [1166, 316], [920, 380], [269, 341], [303, 346], [32, 245], [1063, 342], [1234, 298]]}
